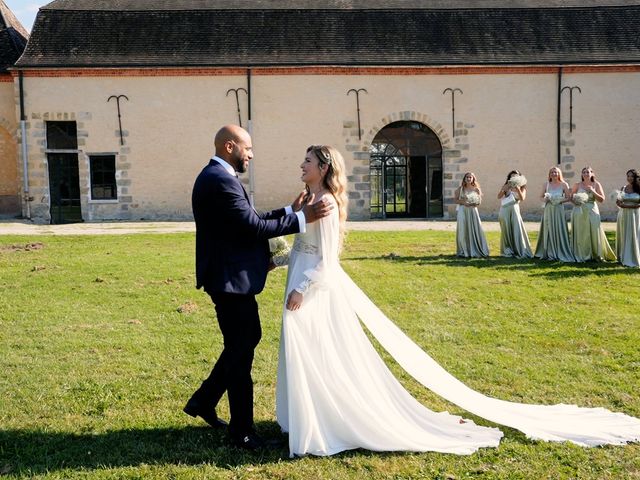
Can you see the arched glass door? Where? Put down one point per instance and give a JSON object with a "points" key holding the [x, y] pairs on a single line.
{"points": [[406, 172]]}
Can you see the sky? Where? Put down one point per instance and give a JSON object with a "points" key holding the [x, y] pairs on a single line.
{"points": [[25, 10]]}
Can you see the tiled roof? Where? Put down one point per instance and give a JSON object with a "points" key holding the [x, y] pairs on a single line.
{"points": [[13, 38], [321, 4], [122, 33]]}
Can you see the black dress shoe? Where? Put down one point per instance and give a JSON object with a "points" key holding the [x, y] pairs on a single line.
{"points": [[251, 441], [195, 409]]}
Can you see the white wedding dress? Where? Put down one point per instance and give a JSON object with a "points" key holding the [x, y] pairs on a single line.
{"points": [[335, 393]]}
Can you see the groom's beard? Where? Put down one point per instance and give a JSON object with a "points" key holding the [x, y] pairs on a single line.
{"points": [[239, 164]]}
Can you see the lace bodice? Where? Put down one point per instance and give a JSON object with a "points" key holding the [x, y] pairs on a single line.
{"points": [[314, 254], [301, 246], [309, 241]]}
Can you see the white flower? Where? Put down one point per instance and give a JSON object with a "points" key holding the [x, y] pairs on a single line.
{"points": [[580, 198], [280, 251], [617, 195], [473, 198], [518, 181]]}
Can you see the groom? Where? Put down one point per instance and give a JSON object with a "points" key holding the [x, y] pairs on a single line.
{"points": [[232, 261]]}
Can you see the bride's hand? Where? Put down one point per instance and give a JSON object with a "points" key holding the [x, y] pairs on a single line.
{"points": [[294, 300]]}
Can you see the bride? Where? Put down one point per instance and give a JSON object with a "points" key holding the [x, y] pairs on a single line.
{"points": [[335, 393]]}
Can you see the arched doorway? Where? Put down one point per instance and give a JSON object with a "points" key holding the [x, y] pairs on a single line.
{"points": [[406, 172]]}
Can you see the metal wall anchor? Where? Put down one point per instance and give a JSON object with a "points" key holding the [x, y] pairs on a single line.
{"points": [[236, 90], [453, 107], [571, 103], [118, 97], [357, 92]]}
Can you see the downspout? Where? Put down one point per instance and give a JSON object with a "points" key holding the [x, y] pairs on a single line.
{"points": [[23, 140], [558, 119], [250, 130]]}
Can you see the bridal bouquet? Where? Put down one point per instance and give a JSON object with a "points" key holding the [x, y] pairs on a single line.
{"points": [[517, 181], [280, 251], [580, 198], [473, 198]]}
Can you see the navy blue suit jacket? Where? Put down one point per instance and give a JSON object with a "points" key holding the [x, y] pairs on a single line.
{"points": [[232, 248]]}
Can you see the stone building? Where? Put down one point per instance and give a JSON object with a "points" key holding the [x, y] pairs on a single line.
{"points": [[123, 97], [13, 38]]}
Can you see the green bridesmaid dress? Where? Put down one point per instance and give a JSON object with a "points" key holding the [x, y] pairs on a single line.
{"points": [[628, 232], [514, 241], [470, 238], [553, 240], [588, 241]]}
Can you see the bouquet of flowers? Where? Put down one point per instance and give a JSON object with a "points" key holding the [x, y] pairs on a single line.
{"points": [[617, 195], [473, 198], [280, 251], [580, 198], [517, 181], [552, 199]]}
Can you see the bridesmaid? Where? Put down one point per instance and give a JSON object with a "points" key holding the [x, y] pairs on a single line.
{"points": [[628, 227], [553, 240], [514, 241], [470, 238], [588, 241]]}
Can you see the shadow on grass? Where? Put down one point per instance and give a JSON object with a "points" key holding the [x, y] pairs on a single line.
{"points": [[28, 453], [38, 452], [535, 267]]}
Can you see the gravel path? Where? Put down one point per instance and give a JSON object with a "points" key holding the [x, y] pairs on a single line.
{"points": [[19, 227]]}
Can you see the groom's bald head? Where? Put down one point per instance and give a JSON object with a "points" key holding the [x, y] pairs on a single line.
{"points": [[232, 133], [233, 145]]}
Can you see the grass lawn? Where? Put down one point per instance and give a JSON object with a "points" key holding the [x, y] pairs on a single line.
{"points": [[103, 339]]}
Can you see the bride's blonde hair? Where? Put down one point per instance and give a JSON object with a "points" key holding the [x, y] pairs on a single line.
{"points": [[335, 180]]}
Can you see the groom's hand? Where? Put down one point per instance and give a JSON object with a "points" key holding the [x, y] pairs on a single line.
{"points": [[316, 211]]}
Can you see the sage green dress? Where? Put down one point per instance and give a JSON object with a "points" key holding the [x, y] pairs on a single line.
{"points": [[470, 237], [514, 241], [553, 240], [588, 241], [628, 232]]}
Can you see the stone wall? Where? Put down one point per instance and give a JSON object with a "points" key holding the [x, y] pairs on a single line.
{"points": [[503, 121], [9, 177]]}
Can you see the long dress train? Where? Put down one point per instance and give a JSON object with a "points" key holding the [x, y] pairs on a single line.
{"points": [[588, 240], [335, 393], [514, 241], [628, 232]]}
